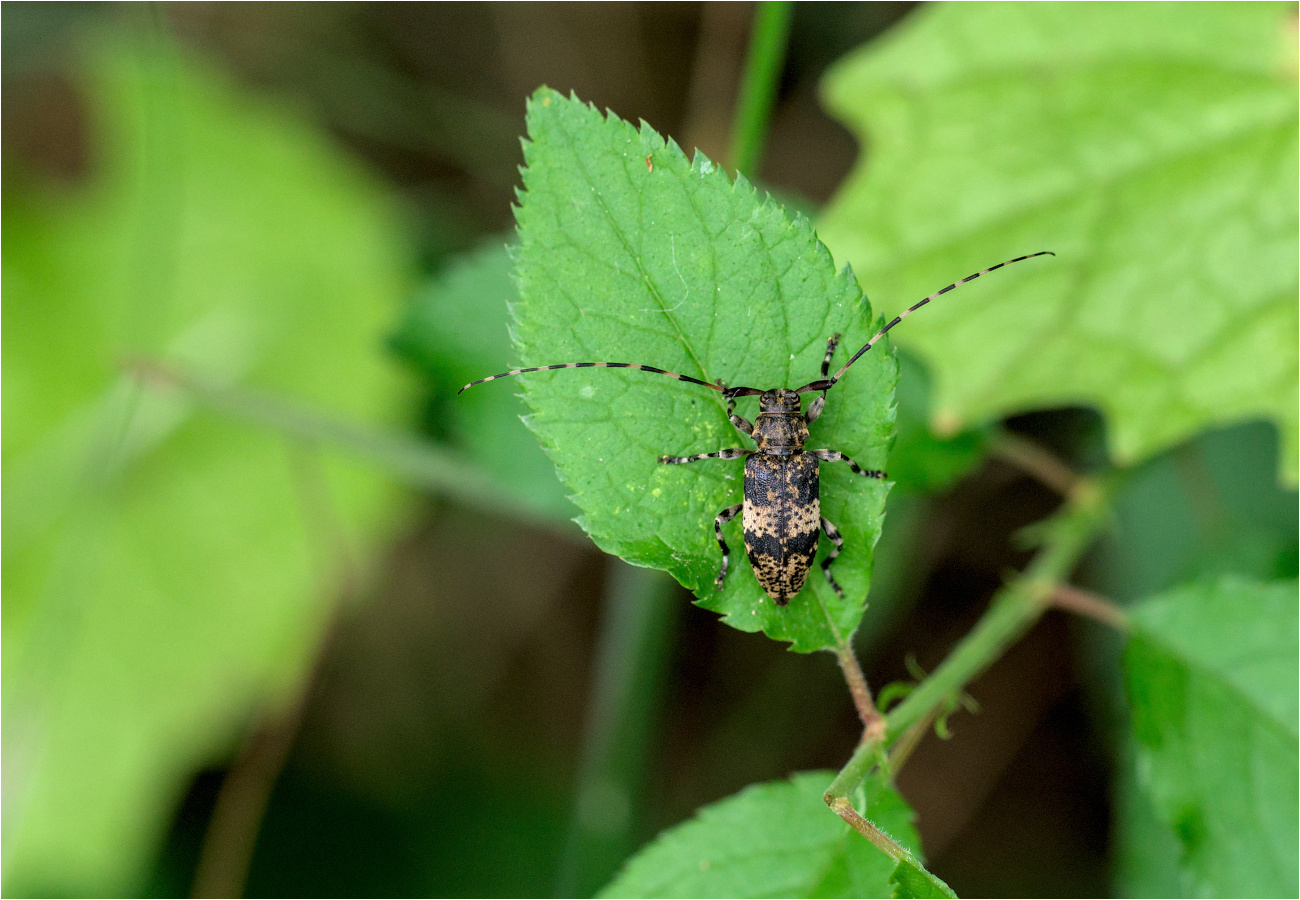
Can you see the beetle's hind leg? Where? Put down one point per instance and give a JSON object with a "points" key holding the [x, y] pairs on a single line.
{"points": [[837, 541], [723, 518], [815, 408]]}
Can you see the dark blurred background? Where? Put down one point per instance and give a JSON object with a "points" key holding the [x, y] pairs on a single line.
{"points": [[439, 747]]}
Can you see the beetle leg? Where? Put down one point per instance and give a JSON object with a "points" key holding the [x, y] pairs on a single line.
{"points": [[723, 518], [837, 542], [731, 453], [837, 456], [815, 408], [742, 424]]}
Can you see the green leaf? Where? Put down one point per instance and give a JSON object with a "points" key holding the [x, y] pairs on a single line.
{"points": [[912, 880], [168, 573], [670, 264], [777, 839], [1152, 146], [1211, 675], [455, 331]]}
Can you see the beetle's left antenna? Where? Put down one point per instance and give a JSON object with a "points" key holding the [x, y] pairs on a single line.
{"points": [[594, 365], [827, 383]]}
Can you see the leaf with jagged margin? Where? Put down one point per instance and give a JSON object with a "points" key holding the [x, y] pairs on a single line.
{"points": [[168, 572], [777, 839], [1151, 145], [1211, 674], [631, 253]]}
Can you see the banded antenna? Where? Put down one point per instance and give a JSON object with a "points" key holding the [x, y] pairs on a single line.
{"points": [[827, 383], [594, 365], [822, 385]]}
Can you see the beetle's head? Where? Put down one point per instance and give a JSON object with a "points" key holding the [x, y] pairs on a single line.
{"points": [[778, 401]]}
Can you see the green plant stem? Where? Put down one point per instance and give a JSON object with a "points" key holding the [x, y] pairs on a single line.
{"points": [[1014, 610], [418, 462], [763, 65], [1016, 607], [632, 651]]}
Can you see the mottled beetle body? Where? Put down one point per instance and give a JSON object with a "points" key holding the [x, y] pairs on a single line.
{"points": [[782, 520]]}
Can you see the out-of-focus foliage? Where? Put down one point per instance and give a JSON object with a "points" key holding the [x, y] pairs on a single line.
{"points": [[1212, 678], [772, 840], [1152, 146], [631, 253], [456, 331], [168, 573]]}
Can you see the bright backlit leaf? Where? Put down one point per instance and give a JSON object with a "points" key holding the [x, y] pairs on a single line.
{"points": [[1151, 145]]}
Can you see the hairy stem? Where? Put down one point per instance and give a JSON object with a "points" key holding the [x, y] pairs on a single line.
{"points": [[873, 723], [758, 90], [1013, 611]]}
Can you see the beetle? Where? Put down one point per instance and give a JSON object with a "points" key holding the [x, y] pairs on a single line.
{"points": [[781, 516]]}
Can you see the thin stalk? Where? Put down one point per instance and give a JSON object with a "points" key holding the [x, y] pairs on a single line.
{"points": [[1093, 606], [418, 462], [1038, 462], [763, 65], [873, 724]]}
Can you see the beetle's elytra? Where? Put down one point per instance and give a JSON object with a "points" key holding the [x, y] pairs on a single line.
{"points": [[782, 518]]}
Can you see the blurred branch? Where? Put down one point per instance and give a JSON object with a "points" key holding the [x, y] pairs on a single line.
{"points": [[631, 652], [758, 89], [419, 462], [1033, 459], [1093, 606], [231, 838]]}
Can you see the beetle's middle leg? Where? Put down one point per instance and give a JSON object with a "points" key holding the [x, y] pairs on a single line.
{"points": [[730, 453], [723, 518], [837, 456], [815, 408]]}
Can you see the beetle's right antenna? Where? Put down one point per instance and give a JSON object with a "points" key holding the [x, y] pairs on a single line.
{"points": [[828, 383], [594, 365]]}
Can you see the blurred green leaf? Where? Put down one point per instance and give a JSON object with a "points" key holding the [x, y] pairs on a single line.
{"points": [[458, 330], [920, 460], [168, 573], [777, 839], [1152, 146], [669, 264], [1211, 673]]}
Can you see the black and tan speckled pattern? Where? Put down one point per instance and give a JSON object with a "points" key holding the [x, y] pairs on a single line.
{"points": [[781, 520]]}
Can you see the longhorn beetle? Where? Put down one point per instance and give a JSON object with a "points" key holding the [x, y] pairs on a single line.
{"points": [[782, 518]]}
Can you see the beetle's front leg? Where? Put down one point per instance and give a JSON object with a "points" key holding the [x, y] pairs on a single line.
{"points": [[837, 456], [815, 408], [743, 425]]}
